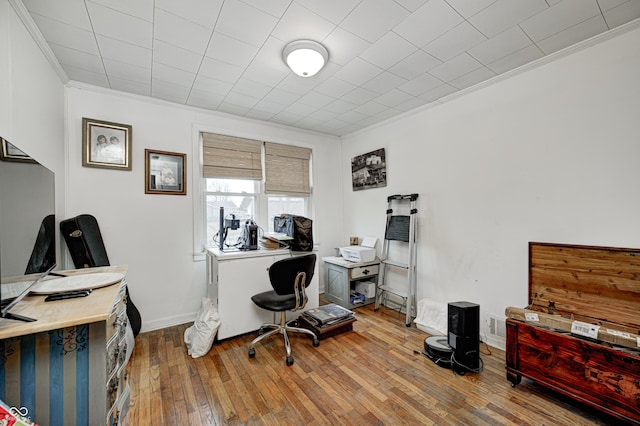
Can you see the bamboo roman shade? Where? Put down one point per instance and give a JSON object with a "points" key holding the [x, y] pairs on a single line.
{"points": [[231, 157], [287, 169]]}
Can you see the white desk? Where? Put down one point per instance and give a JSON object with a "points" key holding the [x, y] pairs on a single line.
{"points": [[233, 277]]}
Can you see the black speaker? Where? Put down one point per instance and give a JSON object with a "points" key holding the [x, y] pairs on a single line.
{"points": [[464, 335]]}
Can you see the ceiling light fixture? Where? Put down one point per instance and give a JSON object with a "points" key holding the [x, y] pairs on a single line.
{"points": [[305, 57]]}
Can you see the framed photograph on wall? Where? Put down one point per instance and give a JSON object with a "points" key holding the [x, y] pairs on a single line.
{"points": [[369, 170], [106, 145], [9, 152], [165, 172]]}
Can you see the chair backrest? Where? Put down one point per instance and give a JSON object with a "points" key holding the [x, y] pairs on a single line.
{"points": [[283, 273]]}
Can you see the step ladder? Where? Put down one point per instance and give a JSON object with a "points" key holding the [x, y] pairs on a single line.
{"points": [[401, 230]]}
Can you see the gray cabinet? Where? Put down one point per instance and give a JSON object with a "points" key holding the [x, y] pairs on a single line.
{"points": [[342, 277]]}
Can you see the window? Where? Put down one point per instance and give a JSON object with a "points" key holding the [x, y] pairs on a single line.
{"points": [[232, 174]]}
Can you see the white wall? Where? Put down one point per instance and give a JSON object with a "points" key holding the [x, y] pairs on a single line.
{"points": [[31, 99], [548, 155], [153, 234]]}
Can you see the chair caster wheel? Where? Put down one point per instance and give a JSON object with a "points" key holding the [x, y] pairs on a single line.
{"points": [[316, 343], [289, 361], [252, 353]]}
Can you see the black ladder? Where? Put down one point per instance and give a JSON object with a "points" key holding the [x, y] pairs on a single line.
{"points": [[400, 229]]}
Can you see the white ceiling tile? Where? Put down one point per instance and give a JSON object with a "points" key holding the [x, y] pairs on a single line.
{"points": [[370, 108], [456, 67], [127, 71], [606, 5], [202, 12], [287, 117], [272, 7], [72, 12], [172, 75], [299, 23], [245, 23], [180, 32], [371, 19], [388, 50], [300, 109], [414, 65], [210, 85], [78, 59], [230, 50], [359, 113], [421, 84], [411, 104], [142, 9], [384, 82], [233, 109], [504, 14], [474, 77], [393, 97], [130, 86], [219, 70], [176, 57], [124, 52], [169, 91], [358, 72], [251, 88], [387, 113], [331, 10], [455, 41], [118, 25], [558, 18], [344, 46], [281, 96], [268, 67], [296, 84], [268, 106], [438, 92], [501, 45], [430, 21], [516, 59], [581, 31], [340, 106], [206, 100], [66, 35], [622, 14], [77, 74], [315, 99], [258, 115], [240, 99], [334, 87], [411, 5], [359, 96], [468, 8]]}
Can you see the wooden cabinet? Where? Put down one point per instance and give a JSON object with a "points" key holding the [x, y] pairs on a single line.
{"points": [[573, 289], [342, 277], [233, 277], [69, 366]]}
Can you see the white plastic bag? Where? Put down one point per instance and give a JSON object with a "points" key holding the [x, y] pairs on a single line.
{"points": [[199, 337]]}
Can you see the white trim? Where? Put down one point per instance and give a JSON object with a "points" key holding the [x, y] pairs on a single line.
{"points": [[37, 36]]}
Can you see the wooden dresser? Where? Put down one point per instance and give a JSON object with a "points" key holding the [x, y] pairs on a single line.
{"points": [[69, 366], [579, 334]]}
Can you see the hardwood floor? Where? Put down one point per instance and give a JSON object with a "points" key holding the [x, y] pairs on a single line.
{"points": [[367, 376]]}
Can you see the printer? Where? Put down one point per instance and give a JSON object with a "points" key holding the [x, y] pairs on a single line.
{"points": [[366, 252]]}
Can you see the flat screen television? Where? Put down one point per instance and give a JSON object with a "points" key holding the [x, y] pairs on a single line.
{"points": [[27, 226]]}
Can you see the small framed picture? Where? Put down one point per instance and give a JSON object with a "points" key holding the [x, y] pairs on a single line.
{"points": [[165, 172], [106, 145], [9, 152]]}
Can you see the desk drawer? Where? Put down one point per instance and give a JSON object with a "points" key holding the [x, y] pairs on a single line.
{"points": [[363, 271]]}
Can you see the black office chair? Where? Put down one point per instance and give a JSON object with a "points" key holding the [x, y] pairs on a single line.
{"points": [[289, 278]]}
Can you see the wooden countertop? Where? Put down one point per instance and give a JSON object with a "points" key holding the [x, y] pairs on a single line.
{"points": [[63, 313]]}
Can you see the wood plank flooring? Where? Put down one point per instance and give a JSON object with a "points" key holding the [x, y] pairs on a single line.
{"points": [[368, 376]]}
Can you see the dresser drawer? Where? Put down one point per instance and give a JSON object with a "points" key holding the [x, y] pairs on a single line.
{"points": [[363, 271]]}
